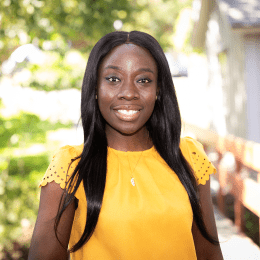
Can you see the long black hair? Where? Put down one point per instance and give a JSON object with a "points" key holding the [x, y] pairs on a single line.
{"points": [[164, 128]]}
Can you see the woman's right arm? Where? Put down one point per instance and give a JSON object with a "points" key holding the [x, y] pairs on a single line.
{"points": [[44, 244]]}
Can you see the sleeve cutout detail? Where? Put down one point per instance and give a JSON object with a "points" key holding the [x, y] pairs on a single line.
{"points": [[59, 170], [199, 161]]}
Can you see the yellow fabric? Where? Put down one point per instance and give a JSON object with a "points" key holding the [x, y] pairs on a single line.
{"points": [[151, 220], [61, 167]]}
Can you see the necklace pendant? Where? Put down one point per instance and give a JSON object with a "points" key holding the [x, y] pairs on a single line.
{"points": [[133, 181]]}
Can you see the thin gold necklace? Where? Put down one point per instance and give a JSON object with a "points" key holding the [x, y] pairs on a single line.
{"points": [[132, 175], [132, 172]]}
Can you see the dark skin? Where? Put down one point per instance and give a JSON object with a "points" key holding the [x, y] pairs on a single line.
{"points": [[44, 244], [204, 249], [127, 80], [126, 90]]}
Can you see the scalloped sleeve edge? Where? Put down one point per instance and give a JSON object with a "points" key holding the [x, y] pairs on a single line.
{"points": [[60, 168], [199, 161]]}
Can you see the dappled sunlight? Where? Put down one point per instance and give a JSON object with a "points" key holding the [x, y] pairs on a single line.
{"points": [[64, 137], [32, 150], [63, 105], [25, 52]]}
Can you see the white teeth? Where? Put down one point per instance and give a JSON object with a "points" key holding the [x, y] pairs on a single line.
{"points": [[128, 112]]}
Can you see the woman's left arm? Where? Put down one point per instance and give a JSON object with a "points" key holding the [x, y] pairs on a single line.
{"points": [[204, 249]]}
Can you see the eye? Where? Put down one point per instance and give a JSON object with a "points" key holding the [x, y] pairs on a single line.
{"points": [[112, 79], [145, 80]]}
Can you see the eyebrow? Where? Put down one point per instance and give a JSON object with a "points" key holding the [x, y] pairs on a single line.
{"points": [[146, 70], [118, 68], [112, 67]]}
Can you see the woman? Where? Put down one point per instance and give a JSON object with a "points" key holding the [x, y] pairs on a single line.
{"points": [[135, 189]]}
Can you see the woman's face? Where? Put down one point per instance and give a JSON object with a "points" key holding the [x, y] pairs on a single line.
{"points": [[127, 85]]}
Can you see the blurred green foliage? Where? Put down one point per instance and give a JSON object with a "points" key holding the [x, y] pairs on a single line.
{"points": [[19, 193], [21, 173], [57, 72], [24, 129], [252, 226], [82, 23]]}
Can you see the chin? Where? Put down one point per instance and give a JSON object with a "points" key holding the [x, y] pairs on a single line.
{"points": [[126, 131]]}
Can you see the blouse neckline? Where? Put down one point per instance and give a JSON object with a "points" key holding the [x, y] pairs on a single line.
{"points": [[118, 152]]}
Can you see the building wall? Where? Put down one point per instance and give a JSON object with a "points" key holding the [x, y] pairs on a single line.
{"points": [[252, 64], [226, 83]]}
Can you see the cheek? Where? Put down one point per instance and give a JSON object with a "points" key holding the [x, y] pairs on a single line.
{"points": [[150, 98], [105, 99], [105, 93], [150, 103]]}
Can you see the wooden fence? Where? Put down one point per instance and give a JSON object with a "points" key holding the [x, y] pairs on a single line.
{"points": [[246, 158]]}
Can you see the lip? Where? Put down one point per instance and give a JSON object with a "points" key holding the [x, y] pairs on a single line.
{"points": [[127, 118]]}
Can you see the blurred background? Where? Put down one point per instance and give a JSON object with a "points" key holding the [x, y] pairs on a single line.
{"points": [[213, 49]]}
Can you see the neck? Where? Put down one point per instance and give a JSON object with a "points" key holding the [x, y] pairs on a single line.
{"points": [[136, 142]]}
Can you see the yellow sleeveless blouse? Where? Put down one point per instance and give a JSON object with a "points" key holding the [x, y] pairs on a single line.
{"points": [[151, 219]]}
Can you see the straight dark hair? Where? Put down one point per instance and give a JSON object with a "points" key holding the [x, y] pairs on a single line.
{"points": [[164, 128]]}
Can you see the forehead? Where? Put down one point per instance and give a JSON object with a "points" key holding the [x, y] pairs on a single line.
{"points": [[127, 54]]}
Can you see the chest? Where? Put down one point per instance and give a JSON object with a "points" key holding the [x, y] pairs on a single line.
{"points": [[158, 198]]}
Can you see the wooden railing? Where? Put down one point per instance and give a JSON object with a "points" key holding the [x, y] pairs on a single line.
{"points": [[246, 158]]}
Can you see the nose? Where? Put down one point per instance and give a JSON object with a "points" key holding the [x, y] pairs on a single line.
{"points": [[128, 91]]}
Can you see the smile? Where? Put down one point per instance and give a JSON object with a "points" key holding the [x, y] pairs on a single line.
{"points": [[128, 112], [127, 115]]}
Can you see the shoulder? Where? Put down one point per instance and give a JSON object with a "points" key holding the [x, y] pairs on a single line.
{"points": [[194, 153], [192, 149], [69, 151], [189, 142], [62, 165]]}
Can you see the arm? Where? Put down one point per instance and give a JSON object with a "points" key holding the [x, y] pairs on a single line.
{"points": [[44, 244], [204, 249]]}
